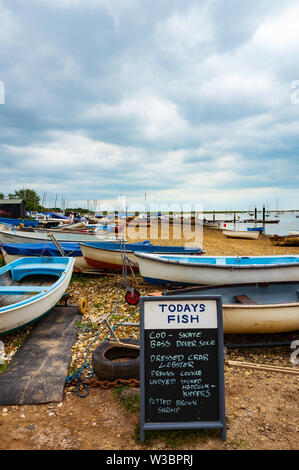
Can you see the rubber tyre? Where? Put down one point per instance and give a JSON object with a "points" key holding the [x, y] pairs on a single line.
{"points": [[113, 361], [82, 305]]}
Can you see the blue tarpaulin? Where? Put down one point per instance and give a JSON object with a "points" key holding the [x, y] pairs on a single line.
{"points": [[42, 249], [26, 223]]}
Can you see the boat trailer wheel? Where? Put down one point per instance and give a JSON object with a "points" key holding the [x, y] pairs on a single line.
{"points": [[132, 297]]}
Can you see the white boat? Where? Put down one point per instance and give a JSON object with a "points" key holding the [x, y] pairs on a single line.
{"points": [[9, 235], [254, 308], [103, 256], [209, 270], [30, 288], [250, 235], [77, 226], [215, 225]]}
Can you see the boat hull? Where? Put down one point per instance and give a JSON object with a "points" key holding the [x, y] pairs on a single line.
{"points": [[260, 319], [107, 259], [250, 235], [112, 259], [274, 307], [155, 270]]}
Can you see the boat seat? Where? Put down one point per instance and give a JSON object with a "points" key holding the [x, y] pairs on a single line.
{"points": [[244, 299], [19, 272], [19, 290]]}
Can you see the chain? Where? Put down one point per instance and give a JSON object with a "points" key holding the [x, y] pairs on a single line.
{"points": [[107, 384]]}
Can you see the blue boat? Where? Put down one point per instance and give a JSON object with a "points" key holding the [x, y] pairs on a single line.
{"points": [[30, 288], [17, 222], [255, 229]]}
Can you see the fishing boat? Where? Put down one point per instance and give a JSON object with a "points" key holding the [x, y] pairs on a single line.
{"points": [[112, 256], [30, 288], [241, 234], [209, 270], [14, 251], [254, 308], [10, 235]]}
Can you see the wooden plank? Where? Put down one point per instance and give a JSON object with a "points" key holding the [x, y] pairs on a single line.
{"points": [[16, 290], [244, 299], [251, 365]]}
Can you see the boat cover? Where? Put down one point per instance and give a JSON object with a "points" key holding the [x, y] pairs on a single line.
{"points": [[26, 223], [42, 249]]}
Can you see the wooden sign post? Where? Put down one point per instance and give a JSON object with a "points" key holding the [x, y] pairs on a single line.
{"points": [[181, 363]]}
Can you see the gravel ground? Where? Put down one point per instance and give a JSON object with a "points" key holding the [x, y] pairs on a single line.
{"points": [[261, 406]]}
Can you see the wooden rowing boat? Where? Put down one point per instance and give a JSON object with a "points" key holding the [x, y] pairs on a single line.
{"points": [[250, 235], [254, 308], [111, 256], [209, 270], [30, 288]]}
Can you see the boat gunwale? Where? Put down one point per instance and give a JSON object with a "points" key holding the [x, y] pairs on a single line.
{"points": [[41, 295], [152, 257], [196, 251], [199, 288]]}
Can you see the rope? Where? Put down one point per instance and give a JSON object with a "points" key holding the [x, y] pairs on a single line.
{"points": [[77, 375]]}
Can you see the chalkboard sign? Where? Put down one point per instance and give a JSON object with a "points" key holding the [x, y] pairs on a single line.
{"points": [[181, 363]]}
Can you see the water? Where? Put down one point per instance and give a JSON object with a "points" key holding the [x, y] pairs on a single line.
{"points": [[287, 222]]}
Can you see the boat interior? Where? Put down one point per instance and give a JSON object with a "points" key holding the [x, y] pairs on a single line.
{"points": [[236, 260], [23, 281], [248, 294]]}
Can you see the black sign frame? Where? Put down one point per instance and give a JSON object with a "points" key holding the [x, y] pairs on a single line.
{"points": [[172, 425]]}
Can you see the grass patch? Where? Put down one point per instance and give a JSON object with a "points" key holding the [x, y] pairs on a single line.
{"points": [[177, 438], [3, 367], [83, 327]]}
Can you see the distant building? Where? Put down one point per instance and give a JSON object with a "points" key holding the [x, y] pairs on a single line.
{"points": [[12, 208]]}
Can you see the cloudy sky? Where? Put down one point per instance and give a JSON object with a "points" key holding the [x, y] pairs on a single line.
{"points": [[189, 102]]}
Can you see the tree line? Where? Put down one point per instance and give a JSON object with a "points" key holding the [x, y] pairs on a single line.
{"points": [[33, 202]]}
